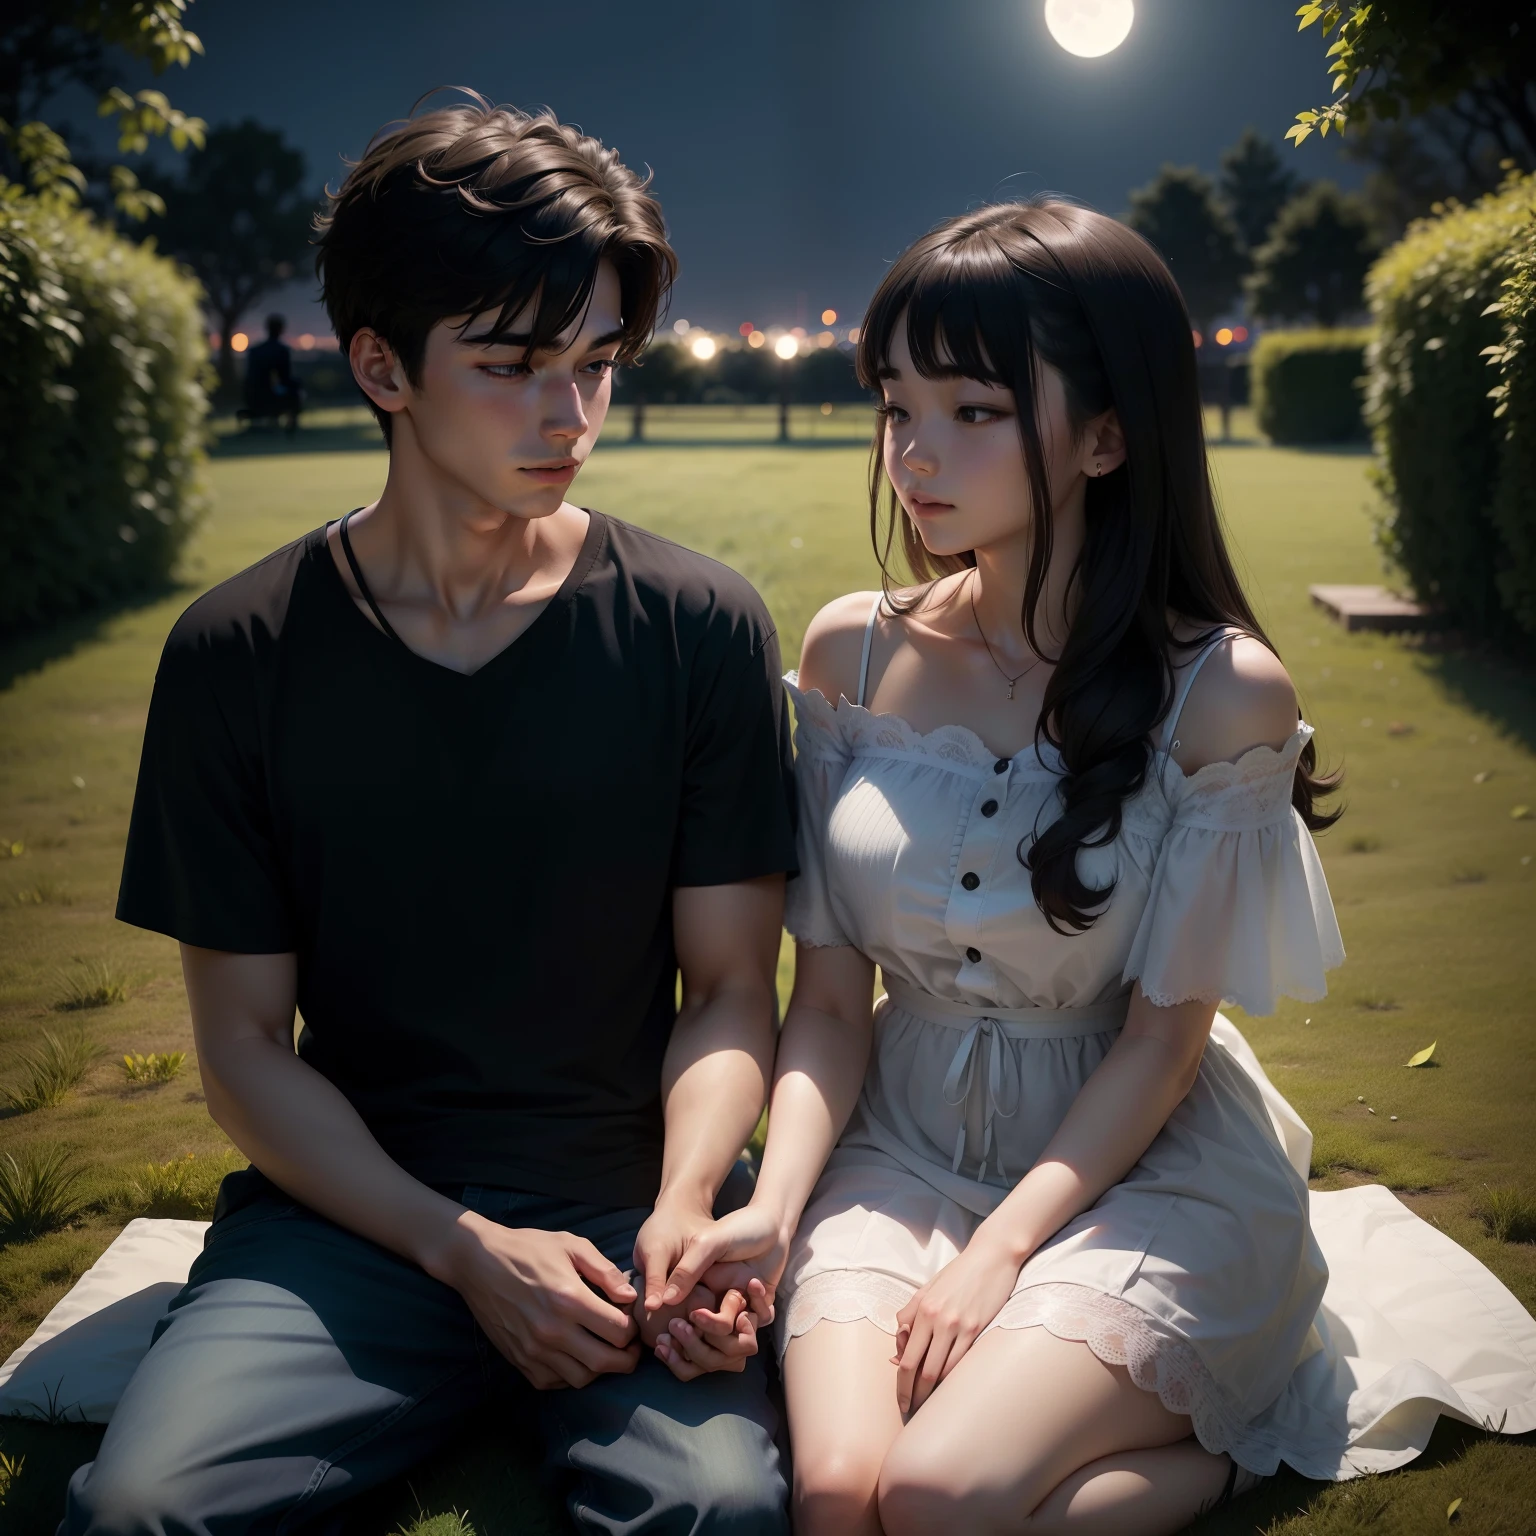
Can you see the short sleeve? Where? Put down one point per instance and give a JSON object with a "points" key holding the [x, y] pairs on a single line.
{"points": [[737, 815], [1238, 911], [201, 863], [822, 755]]}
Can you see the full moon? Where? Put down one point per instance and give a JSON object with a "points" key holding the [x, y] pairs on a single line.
{"points": [[1090, 28]]}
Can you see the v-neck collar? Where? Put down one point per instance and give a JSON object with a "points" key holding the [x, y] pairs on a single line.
{"points": [[586, 558]]}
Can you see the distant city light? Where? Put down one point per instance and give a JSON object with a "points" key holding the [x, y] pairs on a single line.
{"points": [[786, 347], [756, 339], [1224, 336], [829, 317], [825, 339], [745, 328], [239, 341], [306, 342], [703, 348], [681, 327], [853, 335]]}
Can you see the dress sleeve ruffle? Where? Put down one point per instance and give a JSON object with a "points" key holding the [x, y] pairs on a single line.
{"points": [[822, 755], [1239, 910]]}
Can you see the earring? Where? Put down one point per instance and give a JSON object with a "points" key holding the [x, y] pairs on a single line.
{"points": [[1098, 466]]}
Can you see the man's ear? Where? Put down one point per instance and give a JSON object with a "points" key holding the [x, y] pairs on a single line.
{"points": [[378, 371], [1103, 446]]}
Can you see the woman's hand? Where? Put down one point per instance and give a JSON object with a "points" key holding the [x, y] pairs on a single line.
{"points": [[753, 1234], [944, 1318]]}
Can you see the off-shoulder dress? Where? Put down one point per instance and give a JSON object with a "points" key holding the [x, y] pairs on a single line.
{"points": [[1326, 1330]]}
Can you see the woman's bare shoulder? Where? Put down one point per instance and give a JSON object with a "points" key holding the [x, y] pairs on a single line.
{"points": [[833, 644], [1242, 697]]}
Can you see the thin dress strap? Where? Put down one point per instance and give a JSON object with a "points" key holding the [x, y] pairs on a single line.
{"points": [[869, 637], [1168, 742], [362, 586]]}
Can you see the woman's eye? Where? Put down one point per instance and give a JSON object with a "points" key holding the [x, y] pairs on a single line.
{"points": [[975, 415], [891, 411]]}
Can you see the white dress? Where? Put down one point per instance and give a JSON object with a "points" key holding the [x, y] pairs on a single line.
{"points": [[1326, 1330]]}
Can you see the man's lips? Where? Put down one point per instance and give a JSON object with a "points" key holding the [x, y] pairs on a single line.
{"points": [[552, 474]]}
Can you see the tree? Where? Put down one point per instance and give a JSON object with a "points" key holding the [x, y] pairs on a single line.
{"points": [[1471, 67], [240, 218], [1315, 260], [1178, 212], [1255, 186], [47, 45]]}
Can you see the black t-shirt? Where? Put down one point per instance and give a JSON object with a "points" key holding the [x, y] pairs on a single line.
{"points": [[474, 871]]}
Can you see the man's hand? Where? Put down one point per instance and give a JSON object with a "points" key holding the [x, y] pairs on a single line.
{"points": [[701, 1334], [533, 1293]]}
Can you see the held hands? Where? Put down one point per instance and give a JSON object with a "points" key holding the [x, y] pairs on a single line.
{"points": [[678, 1316], [944, 1318], [539, 1296]]}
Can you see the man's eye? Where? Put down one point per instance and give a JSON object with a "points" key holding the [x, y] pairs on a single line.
{"points": [[602, 365], [507, 370]]}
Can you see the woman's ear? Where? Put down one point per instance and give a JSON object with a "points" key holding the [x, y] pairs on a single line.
{"points": [[378, 371], [1103, 446]]}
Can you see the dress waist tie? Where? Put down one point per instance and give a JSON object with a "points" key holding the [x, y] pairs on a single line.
{"points": [[988, 1030]]}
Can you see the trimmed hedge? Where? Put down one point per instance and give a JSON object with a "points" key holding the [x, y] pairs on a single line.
{"points": [[1435, 297], [1306, 385], [1514, 503], [102, 369]]}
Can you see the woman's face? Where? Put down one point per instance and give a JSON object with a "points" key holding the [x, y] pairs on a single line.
{"points": [[954, 454]]}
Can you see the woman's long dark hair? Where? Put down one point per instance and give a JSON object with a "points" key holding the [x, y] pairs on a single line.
{"points": [[996, 293]]}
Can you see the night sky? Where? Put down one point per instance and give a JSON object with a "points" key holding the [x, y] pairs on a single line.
{"points": [[797, 145]]}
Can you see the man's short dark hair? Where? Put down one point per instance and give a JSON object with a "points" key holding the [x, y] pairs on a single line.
{"points": [[487, 211], [275, 324]]}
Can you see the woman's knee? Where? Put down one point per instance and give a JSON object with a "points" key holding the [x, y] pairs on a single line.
{"points": [[835, 1490], [929, 1485]]}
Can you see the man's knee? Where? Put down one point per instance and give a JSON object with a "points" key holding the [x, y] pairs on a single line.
{"points": [[744, 1497], [109, 1499]]}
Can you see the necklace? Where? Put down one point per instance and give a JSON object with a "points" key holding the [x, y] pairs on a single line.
{"points": [[976, 618]]}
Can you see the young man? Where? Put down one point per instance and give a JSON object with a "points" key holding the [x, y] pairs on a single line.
{"points": [[465, 777]]}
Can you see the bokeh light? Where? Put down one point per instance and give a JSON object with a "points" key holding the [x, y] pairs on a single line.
{"points": [[307, 342], [825, 339], [786, 347], [681, 327], [853, 335], [829, 317], [745, 328], [239, 341], [703, 348], [1199, 339], [1224, 336], [1240, 333], [756, 339]]}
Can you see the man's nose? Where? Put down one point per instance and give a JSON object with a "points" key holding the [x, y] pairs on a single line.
{"points": [[564, 417]]}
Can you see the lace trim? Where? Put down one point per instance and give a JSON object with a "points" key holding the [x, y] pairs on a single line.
{"points": [[1157, 1360], [1254, 1005], [851, 726], [842, 1296]]}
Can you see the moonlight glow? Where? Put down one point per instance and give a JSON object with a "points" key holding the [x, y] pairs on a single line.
{"points": [[1090, 28]]}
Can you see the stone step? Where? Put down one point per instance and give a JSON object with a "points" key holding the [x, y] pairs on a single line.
{"points": [[1373, 608]]}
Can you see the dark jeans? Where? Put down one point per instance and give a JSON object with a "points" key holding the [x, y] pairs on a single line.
{"points": [[303, 1366]]}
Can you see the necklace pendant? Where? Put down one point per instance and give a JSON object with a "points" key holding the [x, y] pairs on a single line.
{"points": [[1010, 690]]}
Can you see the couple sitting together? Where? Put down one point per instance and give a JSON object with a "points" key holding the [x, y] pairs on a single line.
{"points": [[471, 776]]}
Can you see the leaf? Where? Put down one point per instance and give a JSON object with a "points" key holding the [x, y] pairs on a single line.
{"points": [[1450, 1510], [1421, 1058]]}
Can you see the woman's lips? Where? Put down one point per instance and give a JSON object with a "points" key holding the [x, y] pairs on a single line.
{"points": [[923, 506]]}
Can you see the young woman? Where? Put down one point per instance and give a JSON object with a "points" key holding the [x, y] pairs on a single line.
{"points": [[1042, 1223]]}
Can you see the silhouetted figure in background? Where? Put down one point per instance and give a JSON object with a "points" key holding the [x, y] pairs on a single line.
{"points": [[271, 390]]}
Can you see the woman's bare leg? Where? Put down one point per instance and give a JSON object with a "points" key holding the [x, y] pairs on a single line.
{"points": [[840, 1390], [1031, 1433]]}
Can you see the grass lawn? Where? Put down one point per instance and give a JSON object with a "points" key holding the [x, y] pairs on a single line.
{"points": [[1431, 869]]}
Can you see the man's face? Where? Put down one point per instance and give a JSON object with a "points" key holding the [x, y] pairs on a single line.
{"points": [[511, 428]]}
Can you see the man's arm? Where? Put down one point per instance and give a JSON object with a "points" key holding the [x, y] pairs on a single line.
{"points": [[528, 1289], [718, 1061]]}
